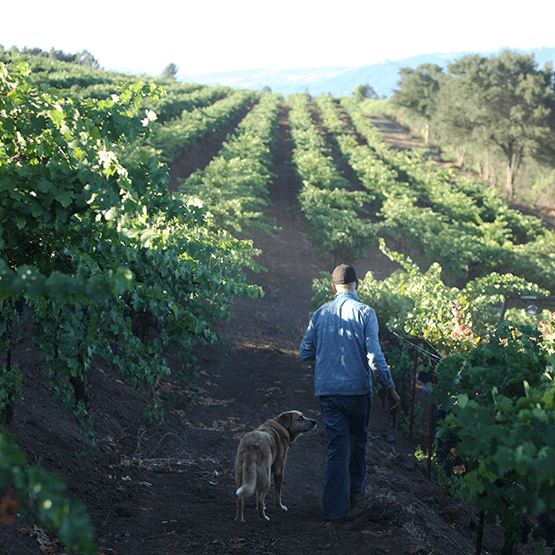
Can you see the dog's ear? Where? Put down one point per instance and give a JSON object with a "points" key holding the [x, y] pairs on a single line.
{"points": [[285, 419]]}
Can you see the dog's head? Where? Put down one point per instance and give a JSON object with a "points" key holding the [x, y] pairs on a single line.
{"points": [[295, 423]]}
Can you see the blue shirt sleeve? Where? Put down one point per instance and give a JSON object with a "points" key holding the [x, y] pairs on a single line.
{"points": [[376, 358], [307, 350]]}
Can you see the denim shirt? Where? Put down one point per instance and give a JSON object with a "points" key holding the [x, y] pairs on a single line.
{"points": [[343, 339]]}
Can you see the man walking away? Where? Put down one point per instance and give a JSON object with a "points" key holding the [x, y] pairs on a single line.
{"points": [[342, 338]]}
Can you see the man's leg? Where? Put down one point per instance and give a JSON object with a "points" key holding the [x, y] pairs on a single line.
{"points": [[335, 499], [359, 412]]}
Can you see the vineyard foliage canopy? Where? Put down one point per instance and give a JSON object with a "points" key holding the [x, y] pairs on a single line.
{"points": [[90, 237], [93, 243]]}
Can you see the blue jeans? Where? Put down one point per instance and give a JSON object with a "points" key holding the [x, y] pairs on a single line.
{"points": [[346, 420]]}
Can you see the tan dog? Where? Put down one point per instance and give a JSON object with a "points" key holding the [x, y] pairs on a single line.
{"points": [[263, 452]]}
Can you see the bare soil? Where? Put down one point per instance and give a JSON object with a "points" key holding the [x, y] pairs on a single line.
{"points": [[169, 489]]}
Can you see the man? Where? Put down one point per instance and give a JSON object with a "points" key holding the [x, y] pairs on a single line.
{"points": [[342, 338]]}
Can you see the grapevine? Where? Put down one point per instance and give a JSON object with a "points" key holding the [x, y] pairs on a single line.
{"points": [[456, 221], [182, 133], [234, 185], [91, 236], [498, 400], [36, 495], [335, 214]]}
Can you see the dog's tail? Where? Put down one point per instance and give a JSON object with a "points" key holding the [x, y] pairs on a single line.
{"points": [[248, 479]]}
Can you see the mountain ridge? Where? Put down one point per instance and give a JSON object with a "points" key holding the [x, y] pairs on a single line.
{"points": [[342, 80]]}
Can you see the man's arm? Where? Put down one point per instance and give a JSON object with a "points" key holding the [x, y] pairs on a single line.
{"points": [[307, 350], [377, 362], [376, 358]]}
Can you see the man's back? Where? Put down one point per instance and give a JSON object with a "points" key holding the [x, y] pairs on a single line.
{"points": [[343, 339]]}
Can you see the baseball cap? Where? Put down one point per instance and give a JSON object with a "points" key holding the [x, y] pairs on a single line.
{"points": [[344, 274]]}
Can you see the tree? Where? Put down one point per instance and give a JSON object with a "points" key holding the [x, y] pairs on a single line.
{"points": [[86, 59], [61, 56], [546, 152], [364, 91], [453, 117], [266, 90], [418, 89], [170, 72], [501, 102]]}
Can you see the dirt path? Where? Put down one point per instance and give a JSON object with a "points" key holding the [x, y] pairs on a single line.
{"points": [[201, 154], [169, 489], [398, 136], [394, 133]]}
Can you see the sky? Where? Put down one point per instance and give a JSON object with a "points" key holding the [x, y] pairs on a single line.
{"points": [[208, 36]]}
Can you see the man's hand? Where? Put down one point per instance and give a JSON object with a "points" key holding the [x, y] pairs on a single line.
{"points": [[394, 399]]}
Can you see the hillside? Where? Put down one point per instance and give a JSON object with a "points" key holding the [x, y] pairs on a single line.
{"points": [[169, 489], [338, 81], [332, 186]]}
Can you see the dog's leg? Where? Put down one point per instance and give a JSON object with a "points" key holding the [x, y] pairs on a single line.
{"points": [[262, 488], [239, 513], [239, 492], [262, 506], [278, 483]]}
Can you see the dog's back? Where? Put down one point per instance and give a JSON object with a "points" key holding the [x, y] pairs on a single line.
{"points": [[252, 468]]}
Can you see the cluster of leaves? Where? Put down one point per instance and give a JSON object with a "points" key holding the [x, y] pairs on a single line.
{"points": [[234, 185], [35, 494], [499, 400], [335, 213], [92, 242]]}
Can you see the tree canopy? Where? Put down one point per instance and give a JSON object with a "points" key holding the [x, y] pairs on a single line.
{"points": [[502, 103], [418, 90], [364, 91], [84, 58], [170, 71]]}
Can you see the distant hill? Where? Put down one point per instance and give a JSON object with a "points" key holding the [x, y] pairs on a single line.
{"points": [[340, 81]]}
